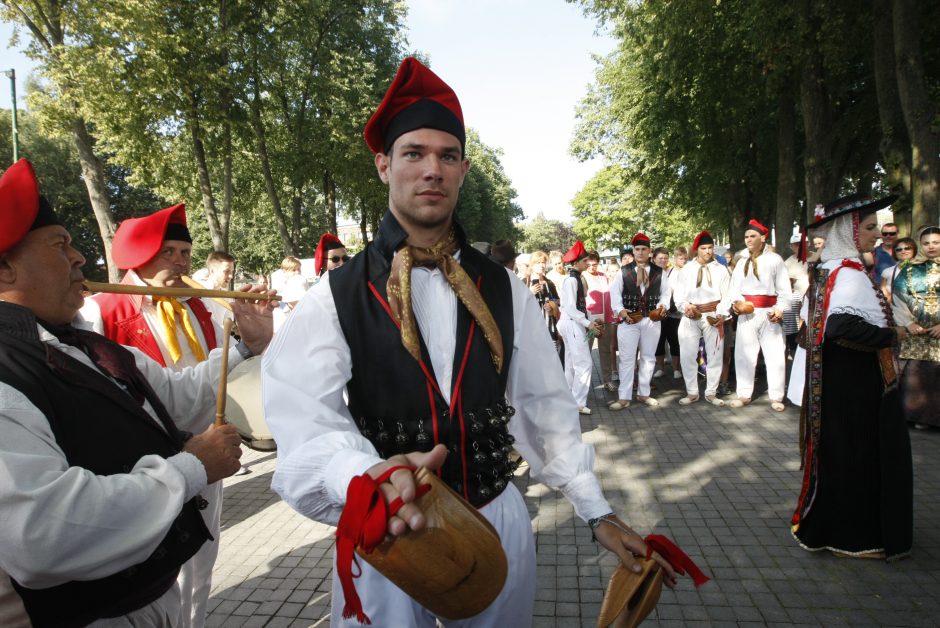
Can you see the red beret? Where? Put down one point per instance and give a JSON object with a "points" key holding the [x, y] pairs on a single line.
{"points": [[575, 253], [754, 225], [137, 240], [328, 242], [702, 238], [640, 239], [19, 203], [416, 99]]}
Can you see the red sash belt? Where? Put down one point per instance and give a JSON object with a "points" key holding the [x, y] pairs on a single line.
{"points": [[761, 300]]}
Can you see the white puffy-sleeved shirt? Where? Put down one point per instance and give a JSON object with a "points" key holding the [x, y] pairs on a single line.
{"points": [[83, 526], [774, 279], [320, 449], [569, 302], [715, 286]]}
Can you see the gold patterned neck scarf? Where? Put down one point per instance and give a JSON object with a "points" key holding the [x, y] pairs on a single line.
{"points": [[169, 312], [440, 256], [703, 268], [641, 276]]}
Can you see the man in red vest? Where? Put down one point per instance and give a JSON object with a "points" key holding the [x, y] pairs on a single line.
{"points": [[156, 250]]}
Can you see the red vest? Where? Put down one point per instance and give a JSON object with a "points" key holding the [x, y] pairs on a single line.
{"points": [[125, 324]]}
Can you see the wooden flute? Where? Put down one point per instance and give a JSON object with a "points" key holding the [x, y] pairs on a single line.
{"points": [[120, 288]]}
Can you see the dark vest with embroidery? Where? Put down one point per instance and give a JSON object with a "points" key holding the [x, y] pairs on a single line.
{"points": [[580, 301], [391, 395], [102, 429], [632, 299]]}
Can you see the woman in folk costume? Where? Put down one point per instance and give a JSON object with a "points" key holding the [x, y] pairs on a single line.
{"points": [[916, 307], [856, 495]]}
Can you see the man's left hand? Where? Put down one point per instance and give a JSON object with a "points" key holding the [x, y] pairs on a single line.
{"points": [[254, 319], [775, 315], [629, 546]]}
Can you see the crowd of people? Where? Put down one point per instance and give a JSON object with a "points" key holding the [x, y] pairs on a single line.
{"points": [[423, 350]]}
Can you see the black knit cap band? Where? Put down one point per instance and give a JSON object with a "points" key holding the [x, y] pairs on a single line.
{"points": [[424, 114]]}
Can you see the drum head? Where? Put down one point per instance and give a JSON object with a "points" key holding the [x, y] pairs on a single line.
{"points": [[243, 408]]}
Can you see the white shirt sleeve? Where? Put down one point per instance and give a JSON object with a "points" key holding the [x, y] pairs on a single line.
{"points": [[304, 374], [782, 284], [680, 290], [616, 295], [546, 424], [63, 523], [665, 290], [569, 302], [724, 289]]}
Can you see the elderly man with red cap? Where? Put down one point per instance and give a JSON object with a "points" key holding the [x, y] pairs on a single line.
{"points": [[101, 476], [641, 297], [702, 296], [156, 250], [576, 327], [443, 355], [760, 294]]}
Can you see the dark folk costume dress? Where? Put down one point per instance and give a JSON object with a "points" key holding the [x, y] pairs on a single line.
{"points": [[857, 490]]}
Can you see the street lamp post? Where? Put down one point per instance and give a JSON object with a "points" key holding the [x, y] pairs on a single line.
{"points": [[11, 74]]}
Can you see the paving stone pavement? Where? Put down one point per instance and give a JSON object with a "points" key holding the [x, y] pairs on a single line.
{"points": [[721, 483]]}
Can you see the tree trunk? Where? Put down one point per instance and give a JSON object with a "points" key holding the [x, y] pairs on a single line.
{"points": [[895, 146], [202, 169], [329, 191], [93, 174], [786, 163], [364, 225], [261, 147], [817, 129], [919, 112]]}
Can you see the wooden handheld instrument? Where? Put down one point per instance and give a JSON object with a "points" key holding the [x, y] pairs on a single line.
{"points": [[192, 283], [119, 288], [223, 374]]}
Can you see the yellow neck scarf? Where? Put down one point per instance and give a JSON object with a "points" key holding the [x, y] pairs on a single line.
{"points": [[169, 311]]}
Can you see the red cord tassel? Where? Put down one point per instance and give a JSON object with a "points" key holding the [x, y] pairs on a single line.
{"points": [[678, 559], [363, 524]]}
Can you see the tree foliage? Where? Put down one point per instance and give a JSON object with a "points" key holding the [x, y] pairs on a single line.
{"points": [[546, 234], [710, 112]]}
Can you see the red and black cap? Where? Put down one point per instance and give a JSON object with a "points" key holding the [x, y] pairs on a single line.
{"points": [[640, 239], [416, 99], [754, 225], [328, 242], [575, 253], [862, 203], [137, 240], [702, 238], [22, 208]]}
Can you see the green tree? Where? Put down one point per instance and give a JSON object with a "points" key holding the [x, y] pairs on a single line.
{"points": [[546, 234], [486, 206]]}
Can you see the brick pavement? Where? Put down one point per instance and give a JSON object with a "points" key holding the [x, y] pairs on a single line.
{"points": [[722, 483]]}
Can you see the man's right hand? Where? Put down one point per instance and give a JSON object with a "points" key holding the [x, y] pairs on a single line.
{"points": [[218, 449], [691, 310], [402, 483]]}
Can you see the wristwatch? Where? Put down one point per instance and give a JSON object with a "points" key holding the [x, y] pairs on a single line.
{"points": [[244, 350]]}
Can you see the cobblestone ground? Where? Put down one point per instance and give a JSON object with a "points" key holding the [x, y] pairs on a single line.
{"points": [[721, 483]]}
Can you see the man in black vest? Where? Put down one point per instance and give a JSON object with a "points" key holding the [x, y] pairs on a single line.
{"points": [[446, 361], [640, 297], [99, 490]]}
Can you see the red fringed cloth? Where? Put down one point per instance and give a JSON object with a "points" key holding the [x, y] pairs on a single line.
{"points": [[363, 524], [678, 559]]}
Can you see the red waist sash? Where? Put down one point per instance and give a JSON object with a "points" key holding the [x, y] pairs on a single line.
{"points": [[761, 300]]}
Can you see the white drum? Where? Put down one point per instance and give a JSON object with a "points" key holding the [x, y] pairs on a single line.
{"points": [[243, 408]]}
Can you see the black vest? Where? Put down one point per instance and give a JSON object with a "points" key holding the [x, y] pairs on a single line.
{"points": [[580, 301], [390, 397], [632, 299], [102, 429]]}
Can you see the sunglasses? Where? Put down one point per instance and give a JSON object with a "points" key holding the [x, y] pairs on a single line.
{"points": [[903, 248], [336, 259], [889, 234]]}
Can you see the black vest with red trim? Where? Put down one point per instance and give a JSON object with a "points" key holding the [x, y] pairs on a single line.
{"points": [[393, 397], [632, 299], [580, 301], [101, 429]]}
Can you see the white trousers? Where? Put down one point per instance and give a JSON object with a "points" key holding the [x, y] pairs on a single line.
{"points": [[690, 332], [757, 334], [578, 362], [387, 605], [195, 579], [645, 336]]}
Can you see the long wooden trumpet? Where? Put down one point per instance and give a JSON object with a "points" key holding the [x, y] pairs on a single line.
{"points": [[120, 288]]}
